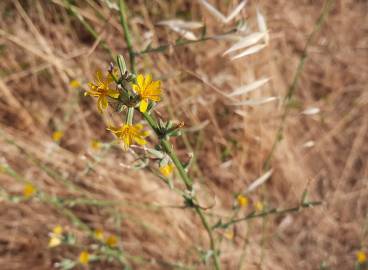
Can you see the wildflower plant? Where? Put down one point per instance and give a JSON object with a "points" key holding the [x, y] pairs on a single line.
{"points": [[133, 94]]}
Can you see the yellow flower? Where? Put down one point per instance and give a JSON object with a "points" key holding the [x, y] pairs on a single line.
{"points": [[127, 133], [242, 201], [84, 257], [147, 90], [259, 206], [167, 169], [56, 236], [112, 241], [57, 135], [361, 257], [101, 89], [28, 190], [229, 234], [58, 230], [96, 145], [54, 241], [99, 234], [75, 84]]}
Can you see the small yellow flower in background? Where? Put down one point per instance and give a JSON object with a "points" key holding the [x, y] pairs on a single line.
{"points": [[96, 145], [84, 257], [57, 135], [361, 257], [259, 206], [57, 230], [75, 84], [147, 90], [242, 201], [28, 190], [101, 89], [56, 236], [112, 241], [127, 133], [54, 242], [229, 234], [167, 169], [99, 234]]}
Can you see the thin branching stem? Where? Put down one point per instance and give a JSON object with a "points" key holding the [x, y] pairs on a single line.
{"points": [[293, 86], [272, 211], [164, 47], [164, 142]]}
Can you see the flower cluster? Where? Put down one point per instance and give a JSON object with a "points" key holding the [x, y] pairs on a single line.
{"points": [[129, 92]]}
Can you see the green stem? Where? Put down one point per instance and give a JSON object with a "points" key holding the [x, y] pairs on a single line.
{"points": [[272, 211], [216, 260], [293, 86], [130, 114], [169, 150], [188, 183], [164, 142], [128, 37], [179, 43]]}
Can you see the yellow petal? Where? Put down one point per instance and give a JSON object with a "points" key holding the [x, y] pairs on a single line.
{"points": [[57, 230], [84, 257], [154, 87], [57, 135], [113, 93], [112, 241], [54, 241], [140, 140], [361, 257], [136, 89], [167, 169], [140, 81], [242, 201], [143, 105], [99, 77], [28, 190], [75, 84], [259, 206], [102, 103], [99, 234], [147, 80]]}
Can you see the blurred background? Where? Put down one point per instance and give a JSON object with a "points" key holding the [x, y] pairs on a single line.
{"points": [[54, 140]]}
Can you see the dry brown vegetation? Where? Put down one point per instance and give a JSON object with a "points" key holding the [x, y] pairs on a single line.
{"points": [[43, 47]]}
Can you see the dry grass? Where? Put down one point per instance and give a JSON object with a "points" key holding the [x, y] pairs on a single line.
{"points": [[43, 47]]}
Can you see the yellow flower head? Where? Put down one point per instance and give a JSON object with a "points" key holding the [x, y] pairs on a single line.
{"points": [[54, 241], [229, 234], [96, 145], [361, 257], [83, 257], [167, 169], [101, 89], [58, 230], [259, 206], [57, 135], [112, 241], [99, 234], [75, 84], [127, 133], [147, 90], [242, 201], [28, 190], [56, 236]]}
